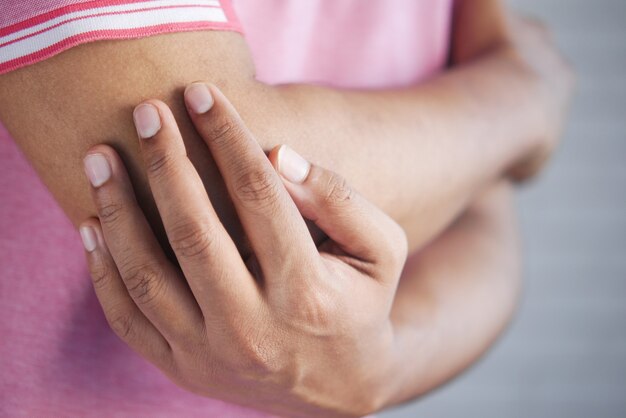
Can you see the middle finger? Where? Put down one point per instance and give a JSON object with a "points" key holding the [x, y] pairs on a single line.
{"points": [[277, 231]]}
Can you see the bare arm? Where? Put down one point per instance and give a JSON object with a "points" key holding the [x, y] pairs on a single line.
{"points": [[456, 296], [322, 315], [431, 147]]}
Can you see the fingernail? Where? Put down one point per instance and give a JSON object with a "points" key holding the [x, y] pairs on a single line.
{"points": [[97, 169], [147, 120], [198, 98], [291, 165], [90, 240]]}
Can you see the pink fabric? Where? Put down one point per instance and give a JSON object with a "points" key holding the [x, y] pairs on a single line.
{"points": [[347, 43], [57, 354], [59, 25]]}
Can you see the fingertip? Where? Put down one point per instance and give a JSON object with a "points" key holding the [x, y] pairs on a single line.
{"points": [[199, 98], [92, 236], [97, 166], [147, 119], [291, 165], [101, 164], [273, 157], [89, 236]]}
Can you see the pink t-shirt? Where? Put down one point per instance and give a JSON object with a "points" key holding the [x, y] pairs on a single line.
{"points": [[58, 356]]}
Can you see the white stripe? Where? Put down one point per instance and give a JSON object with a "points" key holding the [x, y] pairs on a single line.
{"points": [[110, 22], [106, 9]]}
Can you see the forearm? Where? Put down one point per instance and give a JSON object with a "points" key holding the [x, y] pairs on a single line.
{"points": [[419, 153], [439, 142], [456, 297]]}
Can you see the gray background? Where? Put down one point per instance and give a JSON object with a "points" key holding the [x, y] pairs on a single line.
{"points": [[565, 354]]}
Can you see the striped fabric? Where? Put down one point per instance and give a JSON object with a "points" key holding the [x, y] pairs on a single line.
{"points": [[44, 33]]}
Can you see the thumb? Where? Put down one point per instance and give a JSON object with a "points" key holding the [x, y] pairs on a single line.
{"points": [[359, 228]]}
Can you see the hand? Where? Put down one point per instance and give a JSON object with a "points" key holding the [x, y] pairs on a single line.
{"points": [[294, 329], [533, 46]]}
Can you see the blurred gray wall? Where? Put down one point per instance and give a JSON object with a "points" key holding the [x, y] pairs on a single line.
{"points": [[565, 354]]}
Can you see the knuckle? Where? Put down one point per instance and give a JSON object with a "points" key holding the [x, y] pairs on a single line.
{"points": [[337, 192], [110, 212], [121, 323], [100, 274], [145, 284], [224, 132], [317, 312], [314, 310], [259, 354], [160, 164], [192, 239], [258, 188]]}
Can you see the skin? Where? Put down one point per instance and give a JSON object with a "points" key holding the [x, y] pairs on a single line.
{"points": [[285, 334], [459, 123], [468, 141], [284, 339], [456, 296]]}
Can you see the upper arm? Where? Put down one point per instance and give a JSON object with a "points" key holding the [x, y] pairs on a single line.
{"points": [[57, 109]]}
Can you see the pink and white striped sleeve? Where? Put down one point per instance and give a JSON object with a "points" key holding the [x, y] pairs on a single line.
{"points": [[33, 30]]}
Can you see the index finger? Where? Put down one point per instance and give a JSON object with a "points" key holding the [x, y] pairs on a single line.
{"points": [[276, 230]]}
